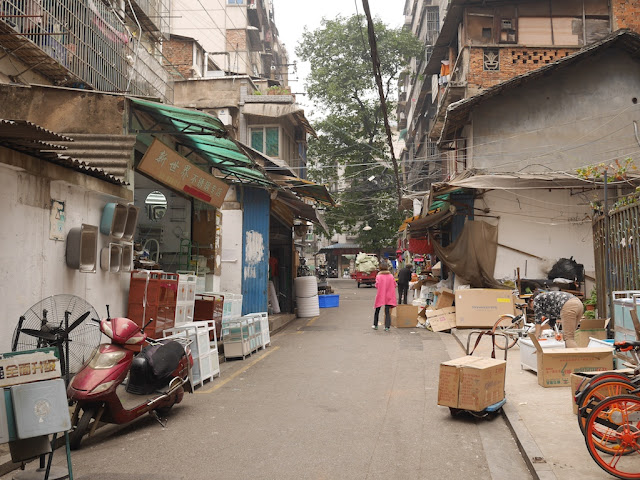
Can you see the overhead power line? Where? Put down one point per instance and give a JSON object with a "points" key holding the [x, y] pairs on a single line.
{"points": [[375, 60]]}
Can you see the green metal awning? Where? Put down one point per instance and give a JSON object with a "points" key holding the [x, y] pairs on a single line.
{"points": [[204, 134]]}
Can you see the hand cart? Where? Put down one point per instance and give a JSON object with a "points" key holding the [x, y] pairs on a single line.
{"points": [[494, 409]]}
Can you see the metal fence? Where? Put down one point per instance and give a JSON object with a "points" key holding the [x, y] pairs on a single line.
{"points": [[92, 42], [622, 250]]}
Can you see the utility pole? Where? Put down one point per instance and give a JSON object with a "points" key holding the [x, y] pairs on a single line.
{"points": [[378, 76]]}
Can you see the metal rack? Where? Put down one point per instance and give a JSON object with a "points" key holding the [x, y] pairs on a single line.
{"points": [[206, 364]]}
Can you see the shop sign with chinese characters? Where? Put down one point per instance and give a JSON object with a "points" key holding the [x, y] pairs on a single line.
{"points": [[172, 169], [28, 366]]}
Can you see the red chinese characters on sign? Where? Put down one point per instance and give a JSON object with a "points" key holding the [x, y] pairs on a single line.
{"points": [[172, 169]]}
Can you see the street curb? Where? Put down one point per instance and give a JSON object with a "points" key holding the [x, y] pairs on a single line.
{"points": [[528, 447], [531, 453]]}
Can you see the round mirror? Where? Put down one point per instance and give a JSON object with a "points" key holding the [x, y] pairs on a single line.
{"points": [[156, 205]]}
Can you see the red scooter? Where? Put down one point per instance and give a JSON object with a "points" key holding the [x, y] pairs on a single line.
{"points": [[118, 386]]}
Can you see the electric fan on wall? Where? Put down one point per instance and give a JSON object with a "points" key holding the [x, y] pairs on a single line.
{"points": [[65, 322]]}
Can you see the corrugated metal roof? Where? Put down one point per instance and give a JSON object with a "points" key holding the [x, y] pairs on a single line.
{"points": [[111, 153], [458, 112], [36, 141]]}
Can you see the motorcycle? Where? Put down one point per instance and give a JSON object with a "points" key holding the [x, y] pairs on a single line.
{"points": [[117, 386]]}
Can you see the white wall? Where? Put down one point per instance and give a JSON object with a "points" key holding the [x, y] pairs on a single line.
{"points": [[32, 266], [188, 18], [548, 224], [581, 115], [231, 271]]}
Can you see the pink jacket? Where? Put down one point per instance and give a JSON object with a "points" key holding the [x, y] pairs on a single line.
{"points": [[386, 285]]}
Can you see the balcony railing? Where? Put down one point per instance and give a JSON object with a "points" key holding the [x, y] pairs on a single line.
{"points": [[153, 15], [80, 43]]}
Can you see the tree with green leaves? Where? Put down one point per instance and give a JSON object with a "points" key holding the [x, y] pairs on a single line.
{"points": [[351, 153]]}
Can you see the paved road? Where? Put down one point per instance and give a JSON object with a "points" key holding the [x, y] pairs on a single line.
{"points": [[330, 399]]}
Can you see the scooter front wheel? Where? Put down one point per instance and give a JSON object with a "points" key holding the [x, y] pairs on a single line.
{"points": [[75, 437]]}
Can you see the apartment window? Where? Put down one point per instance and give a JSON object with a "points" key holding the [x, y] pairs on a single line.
{"points": [[266, 140], [433, 24], [235, 2]]}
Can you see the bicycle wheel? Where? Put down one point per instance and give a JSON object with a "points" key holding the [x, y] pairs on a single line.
{"points": [[597, 393], [588, 382], [616, 420], [505, 324]]}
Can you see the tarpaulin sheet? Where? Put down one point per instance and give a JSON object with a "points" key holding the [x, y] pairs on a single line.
{"points": [[473, 255]]}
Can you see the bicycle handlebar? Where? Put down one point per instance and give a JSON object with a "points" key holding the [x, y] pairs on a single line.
{"points": [[627, 346]]}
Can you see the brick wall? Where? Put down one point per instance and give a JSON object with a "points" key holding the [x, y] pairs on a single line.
{"points": [[236, 40], [626, 14], [513, 61], [180, 55]]}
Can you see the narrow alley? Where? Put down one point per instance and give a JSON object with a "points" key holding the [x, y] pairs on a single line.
{"points": [[331, 398]]}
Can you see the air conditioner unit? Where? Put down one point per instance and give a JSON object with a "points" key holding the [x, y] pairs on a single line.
{"points": [[224, 115], [273, 67]]}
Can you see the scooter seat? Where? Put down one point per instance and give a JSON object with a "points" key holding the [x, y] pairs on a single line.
{"points": [[152, 368], [163, 359]]}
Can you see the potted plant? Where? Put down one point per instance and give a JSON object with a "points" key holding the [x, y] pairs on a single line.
{"points": [[591, 302]]}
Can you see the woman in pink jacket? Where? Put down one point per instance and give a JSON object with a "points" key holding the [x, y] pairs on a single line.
{"points": [[386, 295]]}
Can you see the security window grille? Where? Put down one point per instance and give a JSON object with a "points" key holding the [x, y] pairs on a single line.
{"points": [[433, 24], [491, 59]]}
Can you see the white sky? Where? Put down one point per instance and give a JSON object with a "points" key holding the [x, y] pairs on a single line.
{"points": [[292, 16]]}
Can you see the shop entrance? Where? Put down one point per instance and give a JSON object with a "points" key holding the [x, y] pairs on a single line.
{"points": [[281, 263]]}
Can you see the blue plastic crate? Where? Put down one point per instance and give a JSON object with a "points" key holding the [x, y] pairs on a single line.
{"points": [[327, 301]]}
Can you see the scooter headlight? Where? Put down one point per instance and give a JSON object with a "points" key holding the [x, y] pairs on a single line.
{"points": [[102, 387], [106, 360]]}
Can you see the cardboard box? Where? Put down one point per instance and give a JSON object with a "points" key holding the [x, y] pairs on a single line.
{"points": [[444, 298], [555, 366], [529, 354], [404, 316], [440, 320], [481, 307], [596, 328], [471, 383]]}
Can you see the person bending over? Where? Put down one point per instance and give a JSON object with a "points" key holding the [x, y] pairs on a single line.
{"points": [[558, 305]]}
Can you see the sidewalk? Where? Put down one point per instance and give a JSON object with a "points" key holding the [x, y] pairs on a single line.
{"points": [[541, 420]]}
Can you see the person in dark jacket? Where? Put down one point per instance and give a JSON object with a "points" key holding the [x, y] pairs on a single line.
{"points": [[404, 276]]}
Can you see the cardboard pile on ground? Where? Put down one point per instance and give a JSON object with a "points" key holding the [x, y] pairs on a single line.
{"points": [[555, 366], [442, 315], [481, 307], [439, 320], [471, 383]]}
